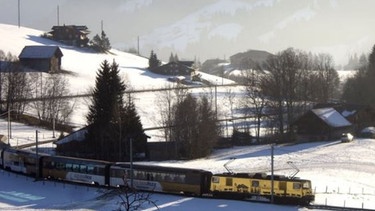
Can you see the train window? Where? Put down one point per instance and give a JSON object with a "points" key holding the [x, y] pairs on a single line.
{"points": [[167, 178], [99, 171], [215, 179], [306, 185], [255, 183], [229, 182], [68, 166], [90, 169], [76, 167], [83, 169], [296, 185], [60, 166]]}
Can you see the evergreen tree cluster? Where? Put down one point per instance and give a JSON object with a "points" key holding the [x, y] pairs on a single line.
{"points": [[101, 43], [112, 121], [173, 58], [195, 128], [153, 61], [355, 63], [359, 89]]}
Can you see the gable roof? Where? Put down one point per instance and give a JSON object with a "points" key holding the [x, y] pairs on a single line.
{"points": [[331, 117], [40, 52]]}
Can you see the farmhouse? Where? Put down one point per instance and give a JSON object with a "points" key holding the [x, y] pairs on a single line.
{"points": [[321, 124], [41, 58], [70, 35], [176, 68]]}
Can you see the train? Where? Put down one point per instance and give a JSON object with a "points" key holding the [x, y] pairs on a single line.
{"points": [[153, 178]]}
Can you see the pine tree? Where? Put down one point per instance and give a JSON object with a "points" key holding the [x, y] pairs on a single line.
{"points": [[105, 44], [171, 58], [101, 43], [105, 110], [153, 61], [132, 129]]}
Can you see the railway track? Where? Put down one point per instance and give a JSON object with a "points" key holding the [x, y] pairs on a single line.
{"points": [[326, 207]]}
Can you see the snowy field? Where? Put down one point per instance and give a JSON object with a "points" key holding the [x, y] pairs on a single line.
{"points": [[342, 174]]}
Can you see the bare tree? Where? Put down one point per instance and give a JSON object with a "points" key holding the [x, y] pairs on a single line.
{"points": [[255, 101], [165, 103], [195, 127], [286, 71], [53, 107], [327, 78], [15, 84], [131, 199]]}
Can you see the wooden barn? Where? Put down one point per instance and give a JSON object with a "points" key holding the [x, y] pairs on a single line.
{"points": [[321, 124], [71, 35], [361, 116], [41, 58]]}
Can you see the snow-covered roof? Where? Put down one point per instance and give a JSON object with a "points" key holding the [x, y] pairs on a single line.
{"points": [[40, 52], [347, 113], [331, 117]]}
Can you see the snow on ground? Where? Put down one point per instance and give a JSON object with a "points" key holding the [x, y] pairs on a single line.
{"points": [[342, 174], [23, 193]]}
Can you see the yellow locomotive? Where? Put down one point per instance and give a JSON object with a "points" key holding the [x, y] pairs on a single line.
{"points": [[259, 185]]}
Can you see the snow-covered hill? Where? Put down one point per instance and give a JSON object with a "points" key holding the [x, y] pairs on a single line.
{"points": [[209, 29], [84, 64]]}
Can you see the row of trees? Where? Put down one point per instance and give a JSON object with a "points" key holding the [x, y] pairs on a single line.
{"points": [[359, 89], [113, 121], [16, 87], [291, 81]]}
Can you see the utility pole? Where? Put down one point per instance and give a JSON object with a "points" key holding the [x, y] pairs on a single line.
{"points": [[272, 176], [19, 14], [138, 45], [131, 163], [37, 156], [58, 15]]}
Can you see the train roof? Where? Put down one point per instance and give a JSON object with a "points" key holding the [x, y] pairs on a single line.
{"points": [[77, 160], [259, 176], [23, 151], [160, 168]]}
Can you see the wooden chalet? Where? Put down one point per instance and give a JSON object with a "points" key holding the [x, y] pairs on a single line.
{"points": [[176, 68], [361, 116], [41, 58], [321, 124], [71, 35]]}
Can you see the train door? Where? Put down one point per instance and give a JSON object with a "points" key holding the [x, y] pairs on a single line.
{"points": [[205, 182], [1, 158], [255, 187], [282, 187]]}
